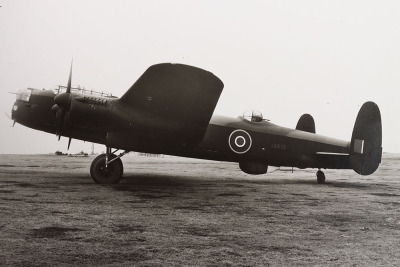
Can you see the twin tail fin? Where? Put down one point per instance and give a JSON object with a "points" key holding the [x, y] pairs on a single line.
{"points": [[366, 141]]}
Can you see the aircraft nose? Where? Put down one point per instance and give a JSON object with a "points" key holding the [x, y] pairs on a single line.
{"points": [[14, 110], [22, 100], [32, 108], [20, 110]]}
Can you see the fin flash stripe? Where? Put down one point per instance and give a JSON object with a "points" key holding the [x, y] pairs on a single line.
{"points": [[358, 146]]}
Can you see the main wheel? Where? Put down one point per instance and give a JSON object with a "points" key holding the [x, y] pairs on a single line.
{"points": [[320, 177], [111, 174]]}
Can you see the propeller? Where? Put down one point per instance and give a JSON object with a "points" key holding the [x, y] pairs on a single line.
{"points": [[62, 106], [69, 143], [7, 115]]}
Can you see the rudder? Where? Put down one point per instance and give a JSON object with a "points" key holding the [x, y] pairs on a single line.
{"points": [[366, 140]]}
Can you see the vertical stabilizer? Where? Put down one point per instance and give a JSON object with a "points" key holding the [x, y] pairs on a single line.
{"points": [[366, 140], [306, 123]]}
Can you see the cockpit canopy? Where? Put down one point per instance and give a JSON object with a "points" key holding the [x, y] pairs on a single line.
{"points": [[24, 95], [253, 116]]}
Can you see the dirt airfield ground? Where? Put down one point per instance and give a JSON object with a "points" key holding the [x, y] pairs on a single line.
{"points": [[171, 211]]}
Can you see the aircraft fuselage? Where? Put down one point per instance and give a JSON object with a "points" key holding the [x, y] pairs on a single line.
{"points": [[226, 139]]}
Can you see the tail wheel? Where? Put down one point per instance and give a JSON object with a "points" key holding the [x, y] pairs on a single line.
{"points": [[320, 177], [103, 174]]}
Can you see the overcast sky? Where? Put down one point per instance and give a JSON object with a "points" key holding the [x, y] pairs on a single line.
{"points": [[283, 58]]}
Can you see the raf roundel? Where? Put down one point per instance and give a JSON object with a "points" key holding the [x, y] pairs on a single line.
{"points": [[240, 141]]}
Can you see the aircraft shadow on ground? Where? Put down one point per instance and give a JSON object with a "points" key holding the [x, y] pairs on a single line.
{"points": [[165, 181]]}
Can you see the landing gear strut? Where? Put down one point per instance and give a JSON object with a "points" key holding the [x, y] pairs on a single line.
{"points": [[320, 177], [107, 168]]}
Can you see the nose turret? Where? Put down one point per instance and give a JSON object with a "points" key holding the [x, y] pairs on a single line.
{"points": [[21, 103], [32, 108], [13, 111]]}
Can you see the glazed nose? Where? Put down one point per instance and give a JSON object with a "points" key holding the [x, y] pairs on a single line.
{"points": [[22, 99], [14, 110]]}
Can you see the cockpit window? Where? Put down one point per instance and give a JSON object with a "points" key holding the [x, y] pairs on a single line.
{"points": [[24, 95]]}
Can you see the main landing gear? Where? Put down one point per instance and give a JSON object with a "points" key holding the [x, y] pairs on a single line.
{"points": [[107, 168], [320, 177]]}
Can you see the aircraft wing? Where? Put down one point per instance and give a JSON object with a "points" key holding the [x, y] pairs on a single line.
{"points": [[174, 100]]}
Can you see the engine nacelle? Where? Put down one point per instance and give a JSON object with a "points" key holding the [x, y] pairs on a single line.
{"points": [[91, 113], [253, 167]]}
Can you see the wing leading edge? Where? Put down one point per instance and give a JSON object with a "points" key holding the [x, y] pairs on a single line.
{"points": [[174, 99]]}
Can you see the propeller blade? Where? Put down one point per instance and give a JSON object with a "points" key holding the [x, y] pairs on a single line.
{"points": [[7, 115], [60, 112], [60, 108], [69, 79], [69, 143]]}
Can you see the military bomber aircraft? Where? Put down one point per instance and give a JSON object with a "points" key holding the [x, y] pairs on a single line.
{"points": [[169, 110]]}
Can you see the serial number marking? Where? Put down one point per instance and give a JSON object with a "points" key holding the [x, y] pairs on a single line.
{"points": [[279, 146]]}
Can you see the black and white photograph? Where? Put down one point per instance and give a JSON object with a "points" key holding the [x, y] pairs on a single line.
{"points": [[199, 133]]}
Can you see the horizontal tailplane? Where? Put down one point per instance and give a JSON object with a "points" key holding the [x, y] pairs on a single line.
{"points": [[366, 140]]}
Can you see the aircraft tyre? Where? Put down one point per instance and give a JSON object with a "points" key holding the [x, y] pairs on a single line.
{"points": [[320, 177], [111, 174]]}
